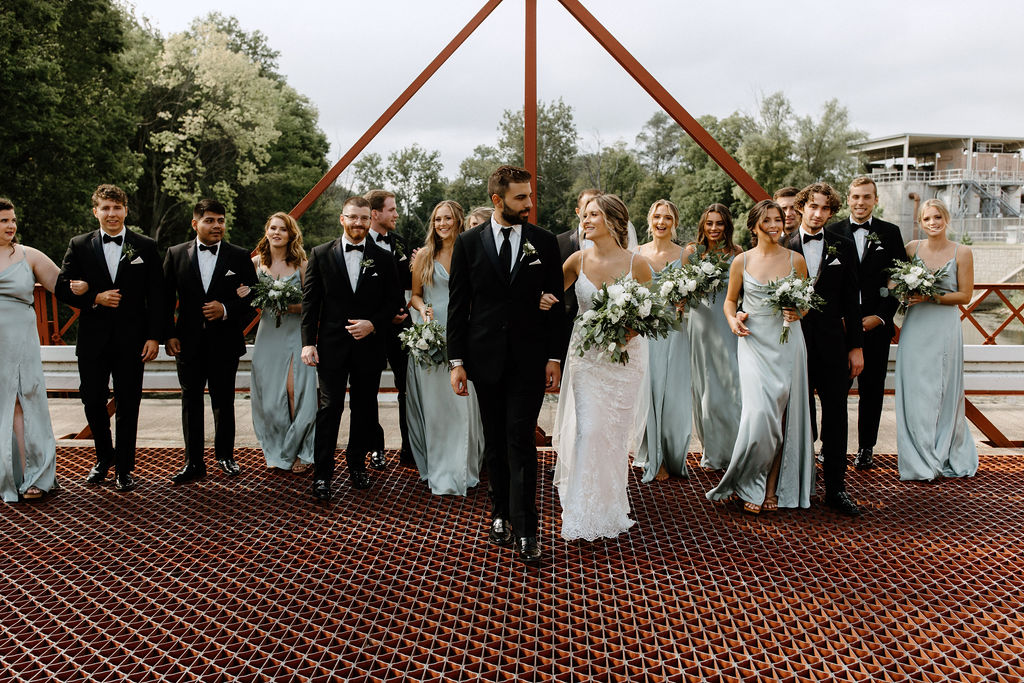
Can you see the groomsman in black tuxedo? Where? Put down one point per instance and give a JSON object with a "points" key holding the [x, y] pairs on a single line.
{"points": [[120, 326], [383, 219], [499, 338], [786, 198], [833, 335], [202, 277], [349, 300], [878, 244], [569, 242]]}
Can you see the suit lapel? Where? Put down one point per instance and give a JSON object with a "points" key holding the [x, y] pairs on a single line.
{"points": [[338, 252], [518, 259], [487, 236], [220, 267], [193, 258], [368, 253], [121, 261], [101, 258]]}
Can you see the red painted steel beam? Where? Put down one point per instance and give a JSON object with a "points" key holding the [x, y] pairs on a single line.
{"points": [[386, 117], [997, 438], [530, 103], [663, 98]]}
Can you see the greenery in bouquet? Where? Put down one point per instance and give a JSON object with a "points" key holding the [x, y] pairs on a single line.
{"points": [[426, 343], [675, 285], [913, 277], [795, 292], [709, 269], [621, 310], [275, 296]]}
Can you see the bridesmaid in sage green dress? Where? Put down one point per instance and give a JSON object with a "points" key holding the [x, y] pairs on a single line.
{"points": [[667, 437], [772, 463], [28, 450], [932, 438], [284, 400], [713, 366], [444, 429]]}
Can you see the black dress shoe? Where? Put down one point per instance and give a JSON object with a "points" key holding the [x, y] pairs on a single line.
{"points": [[843, 504], [228, 466], [527, 549], [124, 482], [378, 460], [864, 459], [322, 489], [361, 480], [501, 532], [187, 474], [96, 475]]}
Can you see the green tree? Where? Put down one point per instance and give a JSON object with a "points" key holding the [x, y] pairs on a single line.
{"points": [[822, 147], [615, 170], [469, 188], [415, 176], [556, 154]]}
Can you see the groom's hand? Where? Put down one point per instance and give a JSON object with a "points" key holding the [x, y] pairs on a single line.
{"points": [[309, 356], [460, 383], [552, 374]]}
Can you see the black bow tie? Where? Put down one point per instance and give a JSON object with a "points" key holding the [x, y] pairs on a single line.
{"points": [[212, 248], [861, 226], [808, 238], [383, 238], [116, 240], [354, 247]]}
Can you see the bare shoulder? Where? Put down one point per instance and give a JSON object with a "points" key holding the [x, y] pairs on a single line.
{"points": [[641, 268]]}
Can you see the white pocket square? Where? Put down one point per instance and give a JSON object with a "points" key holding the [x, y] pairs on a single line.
{"points": [[137, 261], [404, 258], [533, 263], [230, 272], [836, 263]]}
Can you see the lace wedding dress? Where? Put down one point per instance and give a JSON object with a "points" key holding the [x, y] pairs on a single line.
{"points": [[601, 416]]}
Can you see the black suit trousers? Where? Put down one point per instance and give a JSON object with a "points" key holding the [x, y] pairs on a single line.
{"points": [[364, 378], [399, 361], [194, 375], [508, 412], [828, 376], [871, 385], [95, 372]]}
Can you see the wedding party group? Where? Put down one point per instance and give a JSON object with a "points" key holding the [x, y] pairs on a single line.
{"points": [[645, 345]]}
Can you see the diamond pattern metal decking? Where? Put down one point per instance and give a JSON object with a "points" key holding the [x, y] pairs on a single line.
{"points": [[248, 579]]}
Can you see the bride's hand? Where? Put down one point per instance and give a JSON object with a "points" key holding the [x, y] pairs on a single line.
{"points": [[547, 300], [242, 291], [790, 315], [737, 326], [630, 334]]}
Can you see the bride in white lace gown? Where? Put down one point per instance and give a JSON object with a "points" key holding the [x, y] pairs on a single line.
{"points": [[602, 405]]}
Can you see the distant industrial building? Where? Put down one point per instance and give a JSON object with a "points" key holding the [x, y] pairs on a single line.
{"points": [[979, 178]]}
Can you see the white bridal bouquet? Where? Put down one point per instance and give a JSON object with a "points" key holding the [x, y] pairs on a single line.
{"points": [[275, 296], [675, 285], [709, 270], [792, 291], [910, 278], [621, 309], [426, 343]]}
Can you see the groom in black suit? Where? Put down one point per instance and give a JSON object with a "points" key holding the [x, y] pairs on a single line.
{"points": [[349, 300], [202, 278], [833, 335], [120, 326], [878, 244], [499, 338]]}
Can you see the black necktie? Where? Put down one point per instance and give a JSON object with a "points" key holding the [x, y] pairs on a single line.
{"points": [[382, 238], [354, 247], [212, 248], [116, 240], [808, 238], [505, 253]]}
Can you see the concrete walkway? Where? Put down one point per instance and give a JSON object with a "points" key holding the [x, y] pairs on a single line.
{"points": [[160, 422]]}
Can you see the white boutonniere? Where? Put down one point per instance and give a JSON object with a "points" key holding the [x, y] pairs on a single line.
{"points": [[366, 263], [873, 242], [128, 253], [529, 251], [832, 252]]}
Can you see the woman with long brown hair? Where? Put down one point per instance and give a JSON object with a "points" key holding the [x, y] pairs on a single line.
{"points": [[444, 429], [713, 369], [284, 400]]}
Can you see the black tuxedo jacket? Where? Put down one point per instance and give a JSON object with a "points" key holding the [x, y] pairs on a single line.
{"points": [[569, 244], [138, 317], [838, 325], [872, 271], [494, 316], [399, 256], [328, 303], [184, 287]]}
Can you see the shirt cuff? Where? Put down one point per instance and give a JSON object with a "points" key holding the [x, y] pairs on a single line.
{"points": [[555, 360], [455, 362]]}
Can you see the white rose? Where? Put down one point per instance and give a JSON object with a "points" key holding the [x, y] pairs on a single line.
{"points": [[611, 347], [616, 291], [784, 287], [588, 315], [917, 270], [422, 344], [645, 309], [427, 334], [912, 280], [274, 293], [666, 288], [707, 267]]}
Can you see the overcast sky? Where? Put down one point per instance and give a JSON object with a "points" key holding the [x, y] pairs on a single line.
{"points": [[941, 66]]}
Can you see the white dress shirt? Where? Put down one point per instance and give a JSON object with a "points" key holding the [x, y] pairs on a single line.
{"points": [[207, 263], [353, 260], [514, 238], [860, 237], [812, 252], [112, 252]]}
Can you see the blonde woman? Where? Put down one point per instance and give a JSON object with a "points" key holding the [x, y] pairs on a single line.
{"points": [[444, 429], [932, 438], [284, 400]]}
